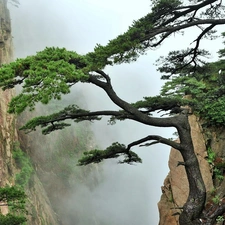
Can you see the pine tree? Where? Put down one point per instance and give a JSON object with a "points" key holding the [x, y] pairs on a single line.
{"points": [[52, 72]]}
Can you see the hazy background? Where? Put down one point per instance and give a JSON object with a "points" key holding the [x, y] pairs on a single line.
{"points": [[128, 194]]}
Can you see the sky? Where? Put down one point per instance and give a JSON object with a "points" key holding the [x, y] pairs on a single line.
{"points": [[128, 194]]}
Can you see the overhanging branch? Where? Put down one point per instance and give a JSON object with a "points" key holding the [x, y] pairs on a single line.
{"points": [[130, 109], [158, 139], [72, 112], [113, 151], [172, 29]]}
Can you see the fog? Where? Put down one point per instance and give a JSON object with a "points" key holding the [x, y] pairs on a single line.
{"points": [[127, 194]]}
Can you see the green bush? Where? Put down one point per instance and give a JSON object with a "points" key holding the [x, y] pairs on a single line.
{"points": [[24, 164], [211, 155], [11, 219], [15, 199]]}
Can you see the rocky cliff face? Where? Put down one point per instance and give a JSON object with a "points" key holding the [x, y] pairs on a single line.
{"points": [[7, 122], [39, 207]]}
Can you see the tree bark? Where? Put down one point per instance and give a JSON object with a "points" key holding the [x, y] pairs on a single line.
{"points": [[194, 206]]}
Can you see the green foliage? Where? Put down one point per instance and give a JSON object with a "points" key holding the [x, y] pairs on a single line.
{"points": [[216, 199], [125, 48], [152, 104], [24, 164], [12, 194], [220, 219], [211, 155], [213, 111], [51, 122], [11, 219], [180, 86], [162, 10], [206, 90], [51, 73], [180, 62], [218, 173], [203, 83], [113, 151], [15, 198], [45, 76], [128, 46]]}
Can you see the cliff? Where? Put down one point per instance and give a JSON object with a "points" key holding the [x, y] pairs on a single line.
{"points": [[7, 122], [38, 205]]}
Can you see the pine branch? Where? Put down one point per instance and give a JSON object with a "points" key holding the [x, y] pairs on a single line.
{"points": [[113, 151], [158, 139], [54, 122]]}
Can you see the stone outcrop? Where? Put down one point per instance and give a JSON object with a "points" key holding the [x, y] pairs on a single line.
{"points": [[175, 190]]}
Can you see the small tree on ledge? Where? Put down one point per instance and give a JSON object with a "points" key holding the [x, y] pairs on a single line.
{"points": [[52, 72]]}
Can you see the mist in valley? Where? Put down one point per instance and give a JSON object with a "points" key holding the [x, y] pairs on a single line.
{"points": [[124, 194]]}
